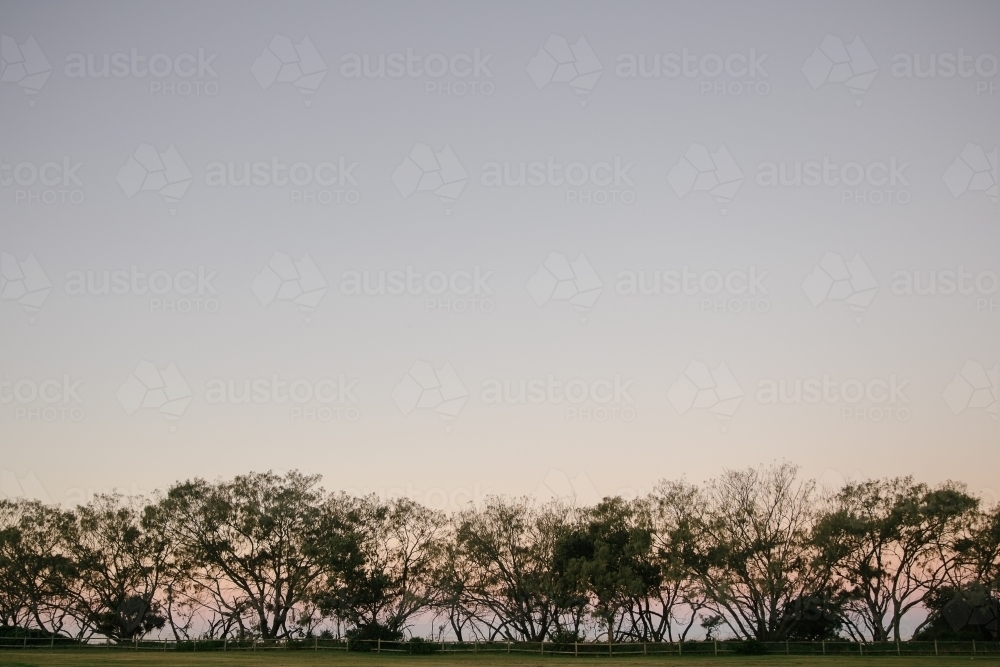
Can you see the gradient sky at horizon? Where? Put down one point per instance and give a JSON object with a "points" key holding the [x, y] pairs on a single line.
{"points": [[831, 86]]}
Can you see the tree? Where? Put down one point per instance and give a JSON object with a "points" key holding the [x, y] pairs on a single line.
{"points": [[977, 552], [258, 544], [752, 549], [965, 605], [391, 579], [452, 577], [120, 549], [36, 570], [964, 613], [816, 617], [607, 554], [891, 542], [508, 546], [676, 512]]}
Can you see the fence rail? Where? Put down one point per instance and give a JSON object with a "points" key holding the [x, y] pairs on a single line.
{"points": [[418, 646]]}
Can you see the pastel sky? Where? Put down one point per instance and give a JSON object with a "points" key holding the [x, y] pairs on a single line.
{"points": [[745, 232]]}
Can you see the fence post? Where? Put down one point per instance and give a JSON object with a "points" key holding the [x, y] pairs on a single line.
{"points": [[973, 647], [715, 647], [378, 648], [935, 647], [679, 650], [52, 641], [475, 645], [861, 648], [644, 648], [786, 647], [315, 643], [576, 649], [824, 647], [897, 648]]}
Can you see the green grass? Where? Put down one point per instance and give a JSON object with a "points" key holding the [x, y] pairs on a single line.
{"points": [[103, 657]]}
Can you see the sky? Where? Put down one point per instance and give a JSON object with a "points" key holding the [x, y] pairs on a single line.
{"points": [[445, 250]]}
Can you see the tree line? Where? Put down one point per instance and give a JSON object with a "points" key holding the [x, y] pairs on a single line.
{"points": [[756, 553]]}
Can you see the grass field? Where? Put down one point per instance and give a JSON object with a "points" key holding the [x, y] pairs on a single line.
{"points": [[100, 658]]}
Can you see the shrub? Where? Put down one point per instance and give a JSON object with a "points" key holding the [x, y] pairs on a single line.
{"points": [[751, 647]]}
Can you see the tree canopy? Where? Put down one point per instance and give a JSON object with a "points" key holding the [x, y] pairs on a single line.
{"points": [[756, 554]]}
